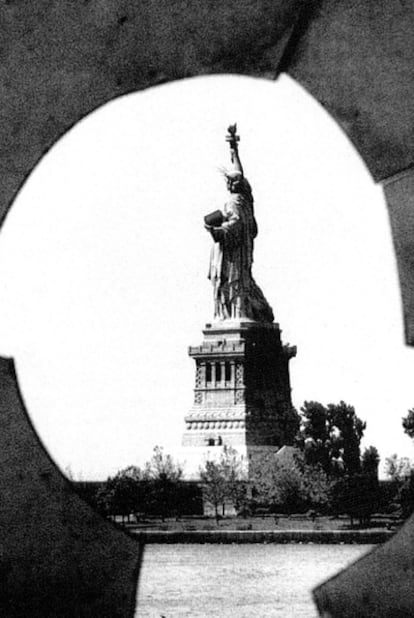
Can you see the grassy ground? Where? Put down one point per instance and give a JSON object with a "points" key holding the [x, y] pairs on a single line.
{"points": [[281, 522]]}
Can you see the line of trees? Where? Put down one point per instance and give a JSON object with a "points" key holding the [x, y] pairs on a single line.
{"points": [[157, 489], [324, 471]]}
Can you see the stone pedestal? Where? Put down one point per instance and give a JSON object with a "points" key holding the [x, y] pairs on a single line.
{"points": [[242, 391]]}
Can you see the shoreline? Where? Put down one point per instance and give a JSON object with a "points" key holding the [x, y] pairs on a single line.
{"points": [[366, 537]]}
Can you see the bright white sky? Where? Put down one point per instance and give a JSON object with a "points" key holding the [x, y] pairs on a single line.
{"points": [[103, 263]]}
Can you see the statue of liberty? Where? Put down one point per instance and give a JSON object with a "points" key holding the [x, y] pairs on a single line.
{"points": [[236, 294]]}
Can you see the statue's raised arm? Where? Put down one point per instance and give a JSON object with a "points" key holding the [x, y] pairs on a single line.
{"points": [[232, 138], [236, 294]]}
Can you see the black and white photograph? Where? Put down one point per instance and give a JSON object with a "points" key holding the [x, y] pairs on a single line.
{"points": [[207, 309]]}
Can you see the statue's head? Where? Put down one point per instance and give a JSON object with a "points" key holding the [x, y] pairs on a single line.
{"points": [[237, 183], [234, 181]]}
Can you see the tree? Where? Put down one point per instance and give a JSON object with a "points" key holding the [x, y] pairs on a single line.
{"points": [[397, 469], [234, 476], [358, 492], [121, 493], [162, 466], [289, 485], [351, 429], [314, 438], [369, 461], [214, 486], [163, 479], [406, 495], [222, 481], [277, 484], [330, 436], [356, 495], [317, 486], [408, 423]]}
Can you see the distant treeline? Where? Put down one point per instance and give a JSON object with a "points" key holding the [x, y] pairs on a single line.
{"points": [[323, 471]]}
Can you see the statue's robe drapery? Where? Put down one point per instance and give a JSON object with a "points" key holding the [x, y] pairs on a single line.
{"points": [[236, 295]]}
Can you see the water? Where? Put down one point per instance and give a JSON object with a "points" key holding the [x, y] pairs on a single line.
{"points": [[237, 581]]}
